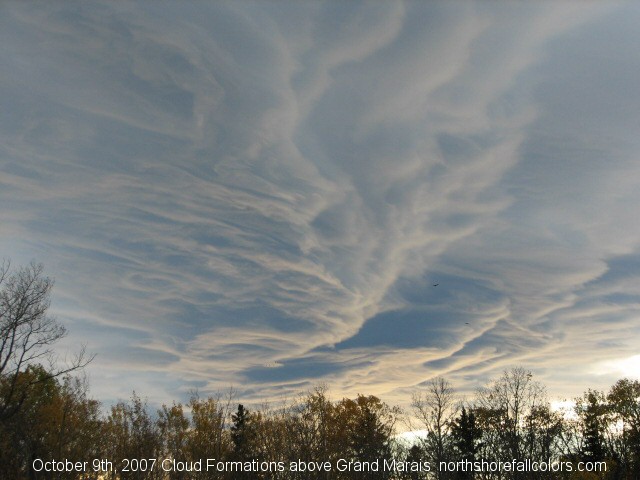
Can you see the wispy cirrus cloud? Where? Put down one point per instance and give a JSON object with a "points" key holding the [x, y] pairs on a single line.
{"points": [[264, 196]]}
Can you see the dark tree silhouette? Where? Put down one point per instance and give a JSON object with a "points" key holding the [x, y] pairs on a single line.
{"points": [[466, 438], [27, 334], [592, 411]]}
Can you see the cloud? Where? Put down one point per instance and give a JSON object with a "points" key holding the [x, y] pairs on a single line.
{"points": [[250, 195]]}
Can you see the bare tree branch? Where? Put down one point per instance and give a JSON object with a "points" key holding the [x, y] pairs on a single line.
{"points": [[27, 333]]}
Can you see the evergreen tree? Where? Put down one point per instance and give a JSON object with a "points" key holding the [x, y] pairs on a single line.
{"points": [[592, 410], [369, 431], [416, 455], [466, 436], [369, 438], [240, 432]]}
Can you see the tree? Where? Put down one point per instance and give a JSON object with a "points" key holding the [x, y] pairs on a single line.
{"points": [[414, 455], [543, 432], [503, 408], [241, 438], [624, 405], [593, 412], [466, 437], [174, 433], [131, 433], [435, 408], [56, 420], [317, 432], [27, 334], [240, 432], [209, 436], [370, 425], [274, 438]]}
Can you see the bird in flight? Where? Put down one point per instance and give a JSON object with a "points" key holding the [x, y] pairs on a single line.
{"points": [[436, 284]]}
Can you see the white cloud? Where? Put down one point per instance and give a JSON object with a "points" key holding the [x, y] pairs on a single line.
{"points": [[230, 186]]}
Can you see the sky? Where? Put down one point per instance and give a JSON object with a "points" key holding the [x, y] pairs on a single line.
{"points": [[262, 195]]}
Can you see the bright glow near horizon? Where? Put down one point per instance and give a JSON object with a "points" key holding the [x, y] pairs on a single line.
{"points": [[626, 367]]}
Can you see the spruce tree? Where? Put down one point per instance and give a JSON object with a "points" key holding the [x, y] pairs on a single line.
{"points": [[593, 421], [239, 433], [466, 435]]}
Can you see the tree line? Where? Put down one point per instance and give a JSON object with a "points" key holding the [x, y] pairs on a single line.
{"points": [[46, 413]]}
